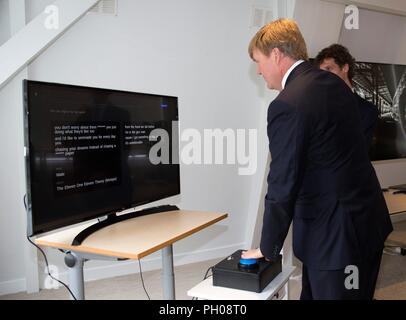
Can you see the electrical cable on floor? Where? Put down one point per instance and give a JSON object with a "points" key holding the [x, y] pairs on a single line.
{"points": [[205, 277], [45, 257], [208, 270], [47, 266], [142, 280]]}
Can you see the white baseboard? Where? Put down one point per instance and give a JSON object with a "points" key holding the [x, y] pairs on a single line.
{"points": [[116, 269], [13, 286]]}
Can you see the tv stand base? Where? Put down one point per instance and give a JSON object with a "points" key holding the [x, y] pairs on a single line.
{"points": [[113, 218]]}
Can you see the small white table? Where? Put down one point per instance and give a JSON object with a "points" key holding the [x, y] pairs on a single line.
{"points": [[205, 289], [397, 209]]}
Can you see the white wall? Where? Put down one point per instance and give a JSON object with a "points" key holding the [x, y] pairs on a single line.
{"points": [[4, 21], [381, 37], [397, 7], [12, 215], [12, 185], [196, 50], [34, 8], [320, 23]]}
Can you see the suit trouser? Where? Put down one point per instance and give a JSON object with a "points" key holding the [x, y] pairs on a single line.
{"points": [[343, 284]]}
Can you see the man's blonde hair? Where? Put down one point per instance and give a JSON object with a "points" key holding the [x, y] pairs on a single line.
{"points": [[283, 34]]}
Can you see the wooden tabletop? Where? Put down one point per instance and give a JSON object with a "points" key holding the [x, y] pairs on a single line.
{"points": [[137, 237], [396, 202]]}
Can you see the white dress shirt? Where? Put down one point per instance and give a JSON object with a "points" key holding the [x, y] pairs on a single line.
{"points": [[285, 77]]}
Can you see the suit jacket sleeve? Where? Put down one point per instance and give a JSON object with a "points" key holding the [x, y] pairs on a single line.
{"points": [[287, 134]]}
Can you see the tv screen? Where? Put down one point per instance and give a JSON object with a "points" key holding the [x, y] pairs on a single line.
{"points": [[87, 152], [384, 85]]}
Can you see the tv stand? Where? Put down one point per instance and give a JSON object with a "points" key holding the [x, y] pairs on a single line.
{"points": [[113, 218]]}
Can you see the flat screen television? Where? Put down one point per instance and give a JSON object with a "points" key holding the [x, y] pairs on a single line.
{"points": [[87, 152], [384, 85]]}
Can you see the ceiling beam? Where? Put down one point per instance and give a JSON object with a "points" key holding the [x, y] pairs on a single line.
{"points": [[397, 7], [39, 34]]}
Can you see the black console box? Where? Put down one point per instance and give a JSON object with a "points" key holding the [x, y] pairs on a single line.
{"points": [[228, 273]]}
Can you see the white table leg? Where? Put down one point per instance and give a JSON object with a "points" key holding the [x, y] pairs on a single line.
{"points": [[76, 280], [168, 277], [288, 259]]}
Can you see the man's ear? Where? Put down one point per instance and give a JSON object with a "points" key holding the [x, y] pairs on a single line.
{"points": [[346, 68], [277, 55]]}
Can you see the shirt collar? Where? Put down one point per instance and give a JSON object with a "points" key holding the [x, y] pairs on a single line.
{"points": [[285, 77]]}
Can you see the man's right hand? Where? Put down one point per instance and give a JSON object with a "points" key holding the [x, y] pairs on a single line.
{"points": [[252, 254]]}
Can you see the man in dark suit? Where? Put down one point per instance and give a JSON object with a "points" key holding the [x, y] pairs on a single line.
{"points": [[320, 177], [338, 60]]}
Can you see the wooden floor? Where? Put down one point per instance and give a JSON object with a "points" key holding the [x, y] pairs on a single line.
{"points": [[398, 236]]}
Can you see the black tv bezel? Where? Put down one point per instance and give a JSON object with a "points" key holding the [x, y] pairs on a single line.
{"points": [[34, 230]]}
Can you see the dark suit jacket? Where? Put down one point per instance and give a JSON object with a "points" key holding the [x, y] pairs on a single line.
{"points": [[320, 175], [369, 118]]}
